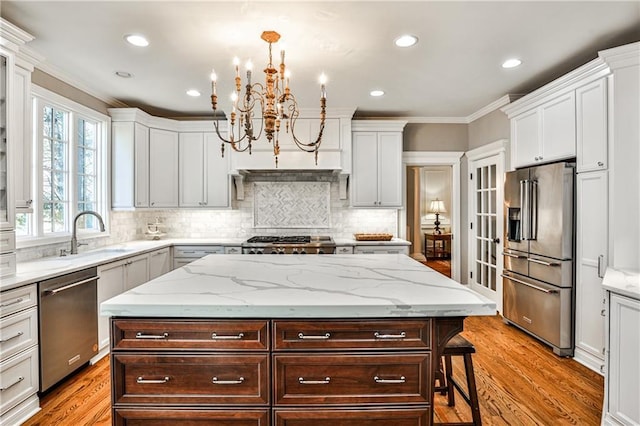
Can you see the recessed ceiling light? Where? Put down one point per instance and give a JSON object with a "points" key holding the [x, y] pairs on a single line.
{"points": [[124, 74], [376, 93], [511, 63], [406, 40], [137, 40], [193, 92]]}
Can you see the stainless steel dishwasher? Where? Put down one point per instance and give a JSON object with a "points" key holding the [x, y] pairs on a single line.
{"points": [[68, 324]]}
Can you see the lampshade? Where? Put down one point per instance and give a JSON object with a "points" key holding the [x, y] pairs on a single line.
{"points": [[437, 206]]}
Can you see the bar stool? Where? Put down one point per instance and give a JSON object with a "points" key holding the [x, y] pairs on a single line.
{"points": [[459, 346]]}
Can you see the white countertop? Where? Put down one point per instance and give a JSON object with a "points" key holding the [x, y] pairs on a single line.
{"points": [[48, 267], [624, 282], [328, 286]]}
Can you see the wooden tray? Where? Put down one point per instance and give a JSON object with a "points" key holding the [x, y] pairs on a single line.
{"points": [[373, 237]]}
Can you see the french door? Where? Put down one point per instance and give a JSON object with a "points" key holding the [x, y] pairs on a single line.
{"points": [[486, 182]]}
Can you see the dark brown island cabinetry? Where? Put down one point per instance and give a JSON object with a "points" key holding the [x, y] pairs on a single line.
{"points": [[364, 372]]}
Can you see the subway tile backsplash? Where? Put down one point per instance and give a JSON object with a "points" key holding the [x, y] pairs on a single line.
{"points": [[238, 222]]}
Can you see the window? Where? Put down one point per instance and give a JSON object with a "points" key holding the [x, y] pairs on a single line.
{"points": [[70, 144]]}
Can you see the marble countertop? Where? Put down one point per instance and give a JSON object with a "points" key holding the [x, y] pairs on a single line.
{"points": [[41, 269], [48, 267], [624, 282], [336, 286]]}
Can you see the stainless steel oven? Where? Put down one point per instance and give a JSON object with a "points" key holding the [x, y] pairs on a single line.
{"points": [[68, 323]]}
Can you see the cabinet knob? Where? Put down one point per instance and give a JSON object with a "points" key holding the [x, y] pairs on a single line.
{"points": [[153, 203], [600, 164], [29, 202], [535, 158]]}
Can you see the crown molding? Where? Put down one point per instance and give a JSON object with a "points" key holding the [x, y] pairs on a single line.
{"points": [[13, 35], [378, 125], [622, 56], [435, 120], [499, 103], [588, 72]]}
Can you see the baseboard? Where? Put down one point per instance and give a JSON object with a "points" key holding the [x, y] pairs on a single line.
{"points": [[589, 360], [22, 412]]}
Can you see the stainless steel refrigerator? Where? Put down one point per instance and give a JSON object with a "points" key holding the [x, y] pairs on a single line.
{"points": [[538, 276]]}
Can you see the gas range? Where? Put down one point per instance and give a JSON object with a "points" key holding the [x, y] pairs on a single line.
{"points": [[289, 244]]}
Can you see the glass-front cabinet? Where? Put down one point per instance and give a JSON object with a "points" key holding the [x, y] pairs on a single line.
{"points": [[4, 159], [7, 215]]}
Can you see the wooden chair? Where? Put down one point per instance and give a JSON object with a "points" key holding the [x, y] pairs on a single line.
{"points": [[459, 346]]}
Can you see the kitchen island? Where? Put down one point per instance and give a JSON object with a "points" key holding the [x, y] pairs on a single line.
{"points": [[285, 340]]}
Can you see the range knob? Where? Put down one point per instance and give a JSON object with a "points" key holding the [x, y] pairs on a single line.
{"points": [[274, 250], [259, 251], [280, 250], [294, 250], [302, 250]]}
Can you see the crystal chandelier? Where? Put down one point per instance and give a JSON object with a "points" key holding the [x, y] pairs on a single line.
{"points": [[276, 104]]}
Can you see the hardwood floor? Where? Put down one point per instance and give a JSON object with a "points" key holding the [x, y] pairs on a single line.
{"points": [[443, 266], [520, 382]]}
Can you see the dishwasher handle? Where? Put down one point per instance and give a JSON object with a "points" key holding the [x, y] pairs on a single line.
{"points": [[67, 287]]}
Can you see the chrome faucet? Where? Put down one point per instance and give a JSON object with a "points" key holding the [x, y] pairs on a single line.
{"points": [[74, 240]]}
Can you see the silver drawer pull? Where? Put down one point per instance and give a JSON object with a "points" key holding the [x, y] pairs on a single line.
{"points": [[535, 287], [143, 381], [152, 336], [324, 336], [239, 336], [215, 381], [18, 334], [402, 379], [402, 335], [302, 381], [4, 388], [13, 302], [515, 256], [542, 262]]}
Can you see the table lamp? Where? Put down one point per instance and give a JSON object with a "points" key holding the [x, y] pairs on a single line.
{"points": [[437, 207]]}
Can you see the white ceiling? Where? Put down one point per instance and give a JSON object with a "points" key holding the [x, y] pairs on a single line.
{"points": [[454, 70]]}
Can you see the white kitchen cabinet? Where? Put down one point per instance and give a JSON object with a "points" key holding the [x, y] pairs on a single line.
{"points": [[163, 168], [19, 377], [591, 261], [622, 382], [591, 126], [232, 249], [377, 169], [115, 278], [344, 249], [546, 133], [204, 173], [111, 279], [22, 148], [381, 249], [159, 262], [130, 165], [183, 255]]}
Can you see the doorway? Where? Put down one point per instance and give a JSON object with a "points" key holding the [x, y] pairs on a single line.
{"points": [[433, 177], [429, 194]]}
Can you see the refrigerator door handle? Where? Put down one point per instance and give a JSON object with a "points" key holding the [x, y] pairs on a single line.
{"points": [[533, 211], [524, 209]]}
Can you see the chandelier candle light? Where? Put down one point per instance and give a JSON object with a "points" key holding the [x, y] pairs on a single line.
{"points": [[276, 103]]}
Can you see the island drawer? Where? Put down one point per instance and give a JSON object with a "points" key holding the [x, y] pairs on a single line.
{"points": [[307, 379], [171, 379], [194, 335], [357, 334], [396, 416], [164, 417]]}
